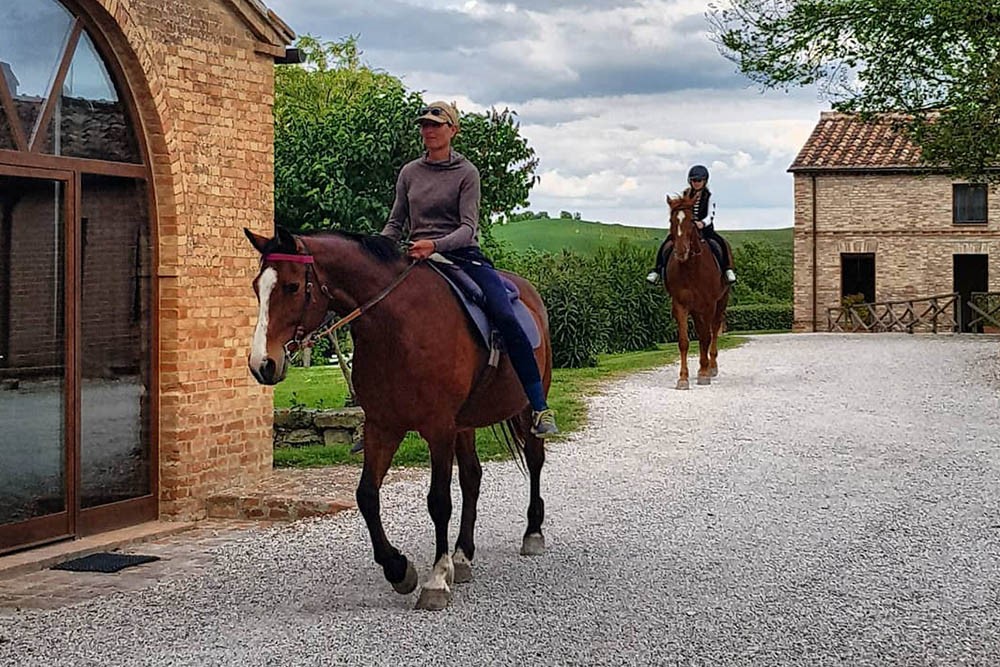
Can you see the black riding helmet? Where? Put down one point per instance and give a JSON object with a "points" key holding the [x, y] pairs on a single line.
{"points": [[698, 171]]}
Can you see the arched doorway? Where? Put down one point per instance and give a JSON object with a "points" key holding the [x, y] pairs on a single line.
{"points": [[77, 443]]}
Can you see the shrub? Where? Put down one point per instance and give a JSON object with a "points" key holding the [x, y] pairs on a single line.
{"points": [[762, 317], [637, 315], [602, 304]]}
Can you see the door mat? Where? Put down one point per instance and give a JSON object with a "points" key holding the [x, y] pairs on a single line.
{"points": [[104, 562]]}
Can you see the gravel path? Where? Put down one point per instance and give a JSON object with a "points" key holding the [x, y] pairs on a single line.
{"points": [[830, 500]]}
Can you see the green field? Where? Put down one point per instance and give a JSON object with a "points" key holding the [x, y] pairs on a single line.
{"points": [[586, 237]]}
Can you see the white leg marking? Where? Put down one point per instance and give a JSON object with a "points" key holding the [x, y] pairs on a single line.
{"points": [[258, 349], [442, 576]]}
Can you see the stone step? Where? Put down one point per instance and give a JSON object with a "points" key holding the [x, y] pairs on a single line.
{"points": [[289, 494]]}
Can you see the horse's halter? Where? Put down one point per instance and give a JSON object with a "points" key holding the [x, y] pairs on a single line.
{"points": [[301, 339]]}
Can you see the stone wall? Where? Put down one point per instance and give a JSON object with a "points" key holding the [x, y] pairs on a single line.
{"points": [[905, 220], [295, 427]]}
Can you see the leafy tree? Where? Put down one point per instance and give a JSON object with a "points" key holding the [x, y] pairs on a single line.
{"points": [[506, 163], [935, 61], [343, 131]]}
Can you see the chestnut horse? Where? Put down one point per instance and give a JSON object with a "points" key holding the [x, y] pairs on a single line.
{"points": [[694, 282], [418, 366]]}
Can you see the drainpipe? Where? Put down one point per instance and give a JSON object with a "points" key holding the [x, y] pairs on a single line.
{"points": [[815, 269]]}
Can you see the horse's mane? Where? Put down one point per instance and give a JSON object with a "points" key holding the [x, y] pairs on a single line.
{"points": [[381, 248]]}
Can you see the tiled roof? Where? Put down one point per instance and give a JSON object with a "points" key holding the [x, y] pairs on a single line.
{"points": [[845, 142]]}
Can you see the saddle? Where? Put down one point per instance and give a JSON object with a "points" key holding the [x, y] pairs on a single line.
{"points": [[471, 299], [717, 251]]}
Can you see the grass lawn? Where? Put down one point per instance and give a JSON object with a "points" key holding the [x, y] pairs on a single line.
{"points": [[324, 387]]}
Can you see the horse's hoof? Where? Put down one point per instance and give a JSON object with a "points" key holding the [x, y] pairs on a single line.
{"points": [[433, 599], [683, 384], [714, 372], [463, 567], [704, 379], [409, 582], [463, 573], [533, 545]]}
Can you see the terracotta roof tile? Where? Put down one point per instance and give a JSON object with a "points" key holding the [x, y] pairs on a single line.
{"points": [[844, 141]]}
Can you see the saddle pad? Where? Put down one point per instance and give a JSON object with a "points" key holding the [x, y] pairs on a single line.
{"points": [[461, 284]]}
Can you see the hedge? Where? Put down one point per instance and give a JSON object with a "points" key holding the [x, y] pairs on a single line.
{"points": [[762, 317]]}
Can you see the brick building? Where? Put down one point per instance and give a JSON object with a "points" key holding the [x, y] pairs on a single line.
{"points": [[136, 142], [870, 219]]}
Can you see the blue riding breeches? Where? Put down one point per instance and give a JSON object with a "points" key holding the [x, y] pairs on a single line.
{"points": [[500, 312]]}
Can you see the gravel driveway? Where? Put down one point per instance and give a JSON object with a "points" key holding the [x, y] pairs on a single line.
{"points": [[829, 500]]}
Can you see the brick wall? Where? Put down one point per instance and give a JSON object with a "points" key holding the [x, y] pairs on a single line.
{"points": [[205, 94], [904, 219]]}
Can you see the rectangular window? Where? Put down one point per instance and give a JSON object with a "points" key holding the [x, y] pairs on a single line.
{"points": [[857, 275], [969, 204]]}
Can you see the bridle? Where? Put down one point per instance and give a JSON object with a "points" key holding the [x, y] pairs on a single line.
{"points": [[694, 245], [332, 322]]}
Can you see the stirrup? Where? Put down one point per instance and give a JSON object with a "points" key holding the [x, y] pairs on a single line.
{"points": [[543, 423]]}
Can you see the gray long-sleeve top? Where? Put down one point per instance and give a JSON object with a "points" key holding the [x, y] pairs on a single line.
{"points": [[437, 201]]}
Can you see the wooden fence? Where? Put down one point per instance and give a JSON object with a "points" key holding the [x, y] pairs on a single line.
{"points": [[985, 310], [934, 314]]}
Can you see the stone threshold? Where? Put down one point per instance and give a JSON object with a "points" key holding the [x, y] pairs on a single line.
{"points": [[288, 495], [40, 558]]}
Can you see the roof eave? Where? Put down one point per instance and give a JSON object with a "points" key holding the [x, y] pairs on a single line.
{"points": [[267, 27]]}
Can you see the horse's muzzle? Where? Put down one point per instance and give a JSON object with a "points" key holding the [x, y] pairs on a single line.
{"points": [[268, 372]]}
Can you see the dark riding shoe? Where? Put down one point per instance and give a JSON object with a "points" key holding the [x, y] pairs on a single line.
{"points": [[543, 424]]}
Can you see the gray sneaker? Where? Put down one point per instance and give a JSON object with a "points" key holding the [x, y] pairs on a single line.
{"points": [[543, 424], [652, 277], [730, 276]]}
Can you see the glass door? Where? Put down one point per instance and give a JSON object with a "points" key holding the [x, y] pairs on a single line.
{"points": [[37, 417]]}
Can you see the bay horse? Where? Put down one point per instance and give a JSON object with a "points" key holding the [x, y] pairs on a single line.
{"points": [[696, 287], [418, 366]]}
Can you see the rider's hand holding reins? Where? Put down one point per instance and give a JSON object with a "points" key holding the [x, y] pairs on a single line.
{"points": [[421, 249]]}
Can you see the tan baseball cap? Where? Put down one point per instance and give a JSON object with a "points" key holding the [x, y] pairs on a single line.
{"points": [[439, 112]]}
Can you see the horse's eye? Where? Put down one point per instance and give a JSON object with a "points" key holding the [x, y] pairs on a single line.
{"points": [[291, 288]]}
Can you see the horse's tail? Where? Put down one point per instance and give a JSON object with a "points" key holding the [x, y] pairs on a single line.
{"points": [[508, 432]]}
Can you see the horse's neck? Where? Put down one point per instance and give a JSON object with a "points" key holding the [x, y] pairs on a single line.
{"points": [[353, 278]]}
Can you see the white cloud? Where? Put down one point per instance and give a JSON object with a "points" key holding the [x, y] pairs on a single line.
{"points": [[618, 97]]}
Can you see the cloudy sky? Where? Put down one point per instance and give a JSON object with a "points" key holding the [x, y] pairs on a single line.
{"points": [[618, 97]]}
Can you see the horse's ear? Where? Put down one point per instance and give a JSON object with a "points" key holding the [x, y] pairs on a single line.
{"points": [[286, 241], [256, 240]]}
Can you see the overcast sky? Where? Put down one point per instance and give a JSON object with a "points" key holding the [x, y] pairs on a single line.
{"points": [[618, 97]]}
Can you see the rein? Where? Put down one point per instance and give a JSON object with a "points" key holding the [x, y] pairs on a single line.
{"points": [[332, 322]]}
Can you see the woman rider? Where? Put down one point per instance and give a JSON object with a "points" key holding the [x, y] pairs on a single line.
{"points": [[697, 185], [437, 202]]}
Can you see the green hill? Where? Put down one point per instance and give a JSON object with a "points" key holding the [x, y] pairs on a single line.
{"points": [[585, 237]]}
